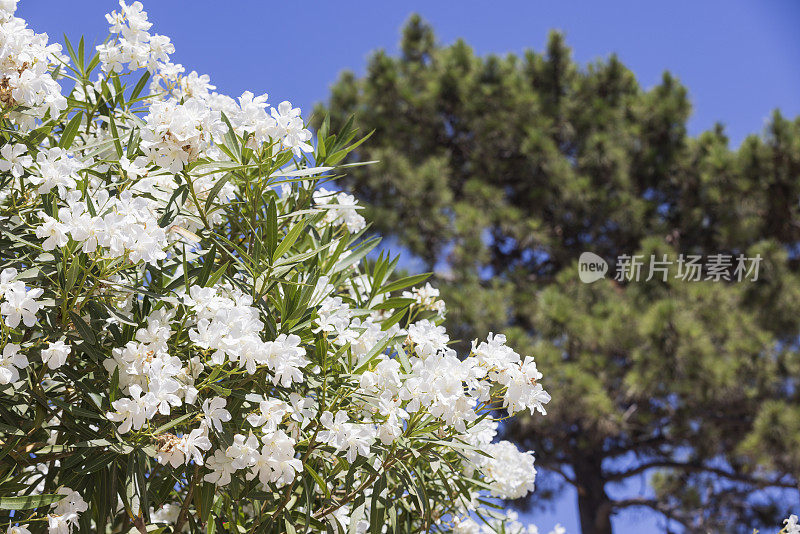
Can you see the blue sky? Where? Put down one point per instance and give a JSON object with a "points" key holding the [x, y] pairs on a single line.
{"points": [[740, 60]]}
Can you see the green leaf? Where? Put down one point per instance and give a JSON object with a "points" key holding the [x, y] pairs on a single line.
{"points": [[140, 84], [83, 329], [357, 254], [218, 274], [71, 51], [208, 264], [95, 61], [70, 131], [376, 510], [28, 502], [373, 353], [403, 283], [173, 423], [113, 389], [72, 274], [81, 52], [319, 480], [98, 462], [76, 411], [169, 212], [288, 241], [212, 194], [394, 302], [115, 134], [271, 224], [204, 499], [393, 320], [231, 141]]}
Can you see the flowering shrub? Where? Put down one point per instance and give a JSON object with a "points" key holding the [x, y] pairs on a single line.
{"points": [[192, 339]]}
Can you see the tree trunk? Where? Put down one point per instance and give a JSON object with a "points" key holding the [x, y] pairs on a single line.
{"points": [[594, 506]]}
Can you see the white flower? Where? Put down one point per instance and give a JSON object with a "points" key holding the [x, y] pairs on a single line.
{"points": [[466, 526], [176, 451], [221, 467], [194, 444], [428, 338], [243, 452], [509, 471], [215, 412], [289, 126], [54, 232], [163, 390], [791, 525], [427, 297], [176, 133], [344, 211], [26, 60], [111, 210], [55, 168], [60, 524], [10, 361], [134, 46], [7, 281], [343, 435], [7, 8], [276, 462], [71, 503], [55, 355], [285, 357], [168, 513], [132, 168], [334, 316], [132, 412], [270, 414], [66, 512], [20, 305], [13, 158], [171, 450]]}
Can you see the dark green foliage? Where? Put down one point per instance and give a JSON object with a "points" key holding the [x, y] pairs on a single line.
{"points": [[506, 169]]}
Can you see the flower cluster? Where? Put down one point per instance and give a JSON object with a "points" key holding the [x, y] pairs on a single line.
{"points": [[229, 325], [66, 512], [177, 132], [427, 298], [190, 333], [509, 524], [133, 45], [341, 209], [17, 302], [124, 226], [27, 86], [791, 525]]}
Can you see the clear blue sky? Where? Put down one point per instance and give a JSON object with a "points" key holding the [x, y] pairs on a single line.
{"points": [[740, 60]]}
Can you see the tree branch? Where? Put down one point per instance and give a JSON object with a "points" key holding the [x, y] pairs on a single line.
{"points": [[185, 506], [698, 468]]}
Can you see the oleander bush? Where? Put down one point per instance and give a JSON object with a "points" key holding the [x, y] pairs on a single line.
{"points": [[194, 334]]}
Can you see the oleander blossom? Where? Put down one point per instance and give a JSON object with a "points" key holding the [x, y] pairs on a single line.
{"points": [[198, 314], [28, 91], [791, 525], [341, 209], [427, 297], [66, 512]]}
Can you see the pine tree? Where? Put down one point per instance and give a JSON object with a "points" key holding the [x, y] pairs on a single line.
{"points": [[503, 170]]}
